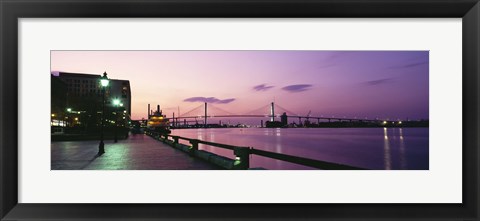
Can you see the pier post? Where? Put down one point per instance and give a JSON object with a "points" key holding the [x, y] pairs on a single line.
{"points": [[242, 160], [175, 141], [194, 148], [165, 137]]}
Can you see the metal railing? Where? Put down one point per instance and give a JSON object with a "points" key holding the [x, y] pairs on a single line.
{"points": [[242, 159]]}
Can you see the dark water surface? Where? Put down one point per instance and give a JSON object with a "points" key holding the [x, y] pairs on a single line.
{"points": [[372, 148]]}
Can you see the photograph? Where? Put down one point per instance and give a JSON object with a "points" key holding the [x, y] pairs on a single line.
{"points": [[239, 110]]}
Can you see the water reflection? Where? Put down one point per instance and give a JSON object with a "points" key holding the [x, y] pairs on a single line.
{"points": [[266, 132], [386, 149], [278, 142], [403, 161], [200, 134], [372, 148]]}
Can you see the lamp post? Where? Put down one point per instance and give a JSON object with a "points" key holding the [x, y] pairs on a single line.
{"points": [[116, 103], [124, 121], [68, 124], [104, 82]]}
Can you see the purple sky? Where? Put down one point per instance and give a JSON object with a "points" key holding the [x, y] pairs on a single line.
{"points": [[383, 84]]}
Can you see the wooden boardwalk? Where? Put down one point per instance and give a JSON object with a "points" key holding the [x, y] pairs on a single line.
{"points": [[138, 152]]}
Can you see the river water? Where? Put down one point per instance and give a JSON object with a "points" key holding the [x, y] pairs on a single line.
{"points": [[371, 148]]}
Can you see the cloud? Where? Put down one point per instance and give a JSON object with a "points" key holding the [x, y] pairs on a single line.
{"points": [[378, 82], [409, 65], [297, 88], [262, 87], [212, 100]]}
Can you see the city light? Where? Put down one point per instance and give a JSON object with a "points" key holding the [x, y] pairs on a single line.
{"points": [[237, 161], [53, 115], [116, 102], [384, 122], [104, 82], [69, 109]]}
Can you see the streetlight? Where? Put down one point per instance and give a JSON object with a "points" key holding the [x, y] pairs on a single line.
{"points": [[116, 103], [69, 111], [104, 82]]}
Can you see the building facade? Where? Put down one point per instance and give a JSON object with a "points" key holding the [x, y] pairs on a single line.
{"points": [[83, 99], [88, 86]]}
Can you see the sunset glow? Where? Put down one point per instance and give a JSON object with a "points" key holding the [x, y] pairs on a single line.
{"points": [[353, 84]]}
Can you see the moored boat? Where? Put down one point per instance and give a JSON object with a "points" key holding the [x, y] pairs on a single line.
{"points": [[158, 122]]}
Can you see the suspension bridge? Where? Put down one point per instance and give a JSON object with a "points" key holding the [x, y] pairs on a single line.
{"points": [[205, 111]]}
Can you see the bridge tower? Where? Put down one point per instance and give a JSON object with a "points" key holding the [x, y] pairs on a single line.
{"points": [[205, 115], [272, 111]]}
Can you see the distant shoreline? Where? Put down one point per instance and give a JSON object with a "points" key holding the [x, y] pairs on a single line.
{"points": [[182, 128], [308, 124]]}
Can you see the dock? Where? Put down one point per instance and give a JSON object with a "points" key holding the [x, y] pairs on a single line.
{"points": [[138, 152]]}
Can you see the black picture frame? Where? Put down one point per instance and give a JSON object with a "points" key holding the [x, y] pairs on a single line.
{"points": [[12, 10]]}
